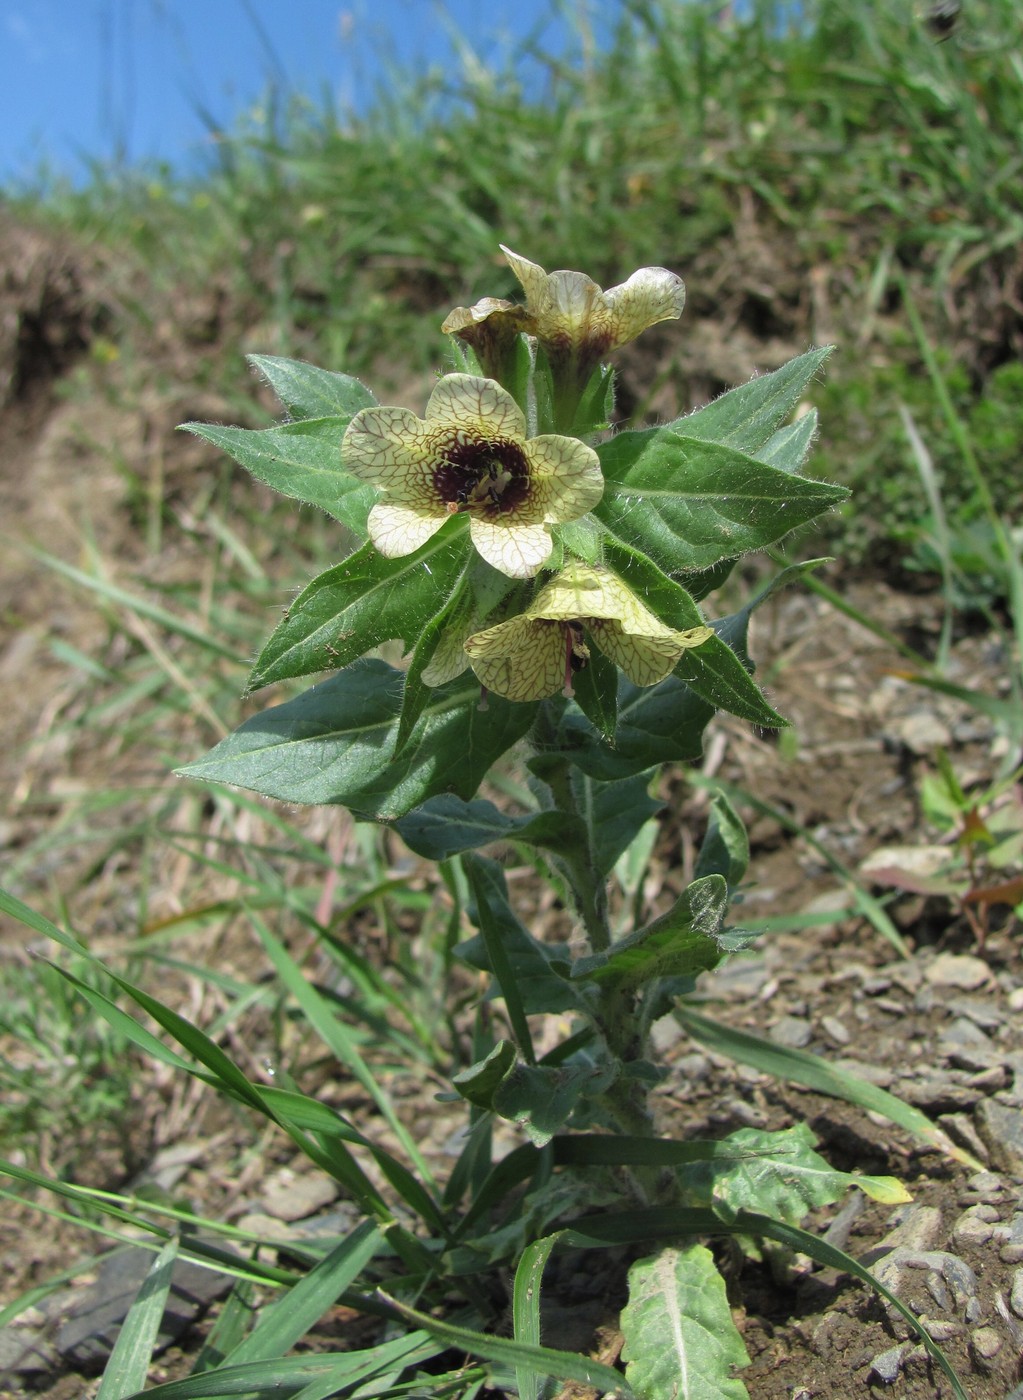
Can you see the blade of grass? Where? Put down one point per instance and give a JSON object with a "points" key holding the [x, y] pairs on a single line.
{"points": [[526, 1310], [541, 1361], [337, 1038], [816, 1073], [126, 1370]]}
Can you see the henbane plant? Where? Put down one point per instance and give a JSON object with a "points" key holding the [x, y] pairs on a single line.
{"points": [[544, 574]]}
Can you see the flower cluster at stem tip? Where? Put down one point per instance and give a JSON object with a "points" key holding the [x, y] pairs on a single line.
{"points": [[473, 455]]}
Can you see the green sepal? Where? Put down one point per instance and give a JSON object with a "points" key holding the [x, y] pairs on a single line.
{"points": [[581, 538], [368, 599], [595, 408], [307, 391]]}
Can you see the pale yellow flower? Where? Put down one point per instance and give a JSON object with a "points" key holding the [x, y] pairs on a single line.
{"points": [[532, 656], [470, 455], [492, 328], [576, 322]]}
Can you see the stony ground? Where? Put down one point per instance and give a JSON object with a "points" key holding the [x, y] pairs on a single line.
{"points": [[940, 1025]]}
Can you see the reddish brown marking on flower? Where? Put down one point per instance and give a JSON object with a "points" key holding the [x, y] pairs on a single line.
{"points": [[489, 478]]}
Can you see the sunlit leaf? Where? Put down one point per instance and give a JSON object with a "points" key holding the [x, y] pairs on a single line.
{"points": [[307, 391], [336, 744], [356, 605], [680, 1339], [688, 503], [747, 416], [302, 460]]}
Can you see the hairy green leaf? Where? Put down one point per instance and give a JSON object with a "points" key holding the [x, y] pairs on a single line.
{"points": [[681, 943], [336, 744], [526, 970], [301, 460], [307, 391], [725, 848], [778, 1174], [446, 825], [356, 605], [746, 417], [680, 1339], [688, 503]]}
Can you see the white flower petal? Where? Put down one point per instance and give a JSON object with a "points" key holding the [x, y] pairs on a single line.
{"points": [[650, 295], [520, 551], [566, 475], [474, 405], [380, 445], [396, 530], [645, 660]]}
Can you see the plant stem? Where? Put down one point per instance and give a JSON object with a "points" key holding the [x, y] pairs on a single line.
{"points": [[575, 862]]}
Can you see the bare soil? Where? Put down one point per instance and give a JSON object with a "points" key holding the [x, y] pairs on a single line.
{"points": [[847, 773]]}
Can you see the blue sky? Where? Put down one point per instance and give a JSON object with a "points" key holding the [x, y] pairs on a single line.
{"points": [[126, 79]]}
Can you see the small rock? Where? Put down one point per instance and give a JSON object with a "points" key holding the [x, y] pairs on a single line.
{"points": [[973, 1228], [986, 1186], [1001, 1128], [733, 1110], [1016, 1294], [793, 1031], [941, 1329], [873, 1074], [938, 1093], [907, 975], [87, 1337], [1016, 999], [917, 1228], [958, 970], [24, 1351], [692, 1069], [836, 1030], [987, 1016], [985, 1344], [891, 1006], [295, 1195], [838, 1232], [960, 1129], [948, 1280], [887, 1364], [876, 984], [267, 1227], [664, 1033], [964, 1035], [741, 979], [922, 733], [989, 1081], [1012, 1232]]}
